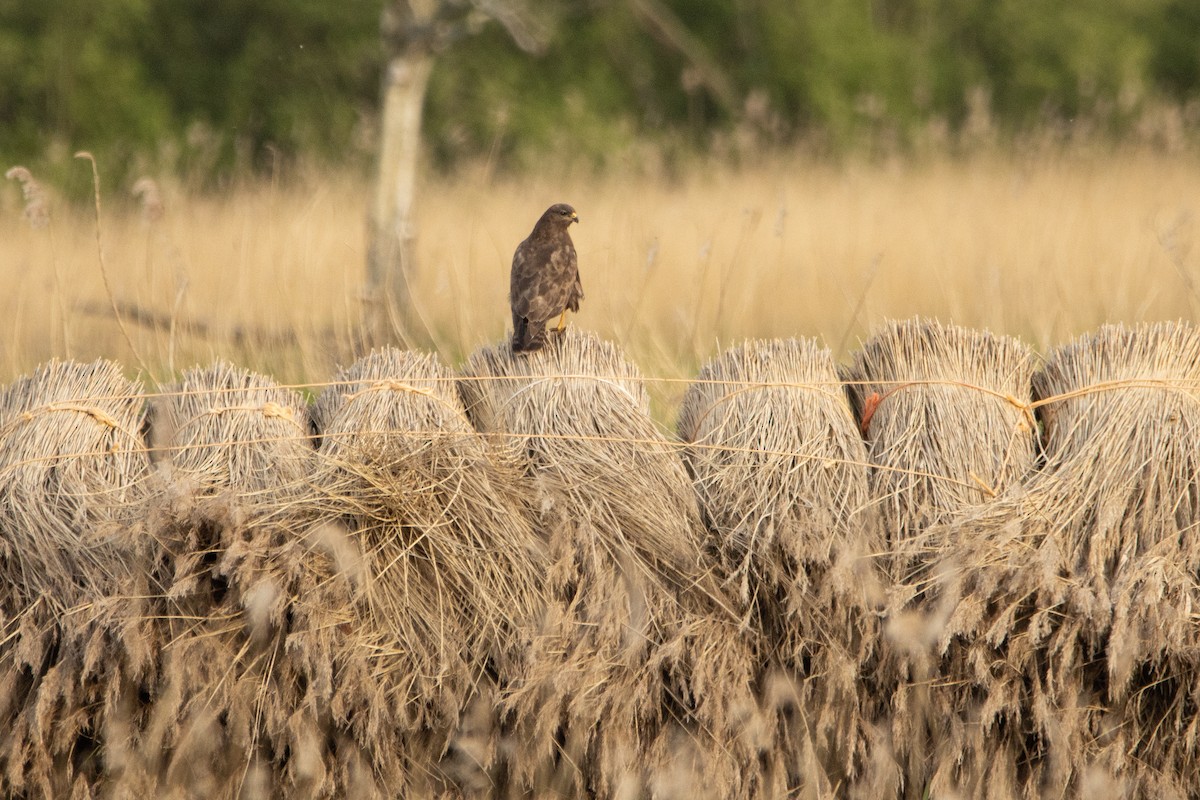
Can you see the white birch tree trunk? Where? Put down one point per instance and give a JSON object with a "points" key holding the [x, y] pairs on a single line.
{"points": [[391, 228]]}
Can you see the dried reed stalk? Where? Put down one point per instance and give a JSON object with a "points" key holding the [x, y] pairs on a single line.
{"points": [[453, 569], [782, 476], [641, 679]]}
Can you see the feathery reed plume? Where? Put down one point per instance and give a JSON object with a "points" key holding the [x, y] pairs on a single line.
{"points": [[781, 472], [454, 570], [37, 208], [149, 199], [641, 674]]}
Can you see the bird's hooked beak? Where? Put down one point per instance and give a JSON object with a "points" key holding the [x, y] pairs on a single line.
{"points": [[574, 217]]}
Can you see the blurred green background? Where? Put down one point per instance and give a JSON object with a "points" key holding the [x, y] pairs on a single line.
{"points": [[215, 88]]}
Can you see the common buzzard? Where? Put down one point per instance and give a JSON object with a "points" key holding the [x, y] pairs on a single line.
{"points": [[545, 278]]}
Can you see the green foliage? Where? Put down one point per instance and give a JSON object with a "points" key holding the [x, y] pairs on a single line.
{"points": [[218, 87], [69, 81], [266, 77]]}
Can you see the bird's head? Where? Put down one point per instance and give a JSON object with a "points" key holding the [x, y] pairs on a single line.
{"points": [[562, 214]]}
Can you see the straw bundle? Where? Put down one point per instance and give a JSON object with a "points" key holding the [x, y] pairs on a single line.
{"points": [[781, 472], [944, 413], [71, 463], [72, 475], [452, 566], [227, 428], [259, 689], [641, 675], [1063, 615], [1121, 411]]}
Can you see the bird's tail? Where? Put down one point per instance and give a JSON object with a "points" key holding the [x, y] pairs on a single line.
{"points": [[525, 338]]}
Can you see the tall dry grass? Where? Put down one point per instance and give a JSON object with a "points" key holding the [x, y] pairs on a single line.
{"points": [[1041, 246]]}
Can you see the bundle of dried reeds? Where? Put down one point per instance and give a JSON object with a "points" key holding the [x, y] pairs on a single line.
{"points": [[260, 688], [945, 414], [226, 428], [641, 677], [781, 472], [73, 478], [453, 568], [71, 465], [1062, 616], [1121, 412]]}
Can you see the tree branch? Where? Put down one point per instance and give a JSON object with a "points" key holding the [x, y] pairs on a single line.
{"points": [[527, 30], [669, 30], [432, 26]]}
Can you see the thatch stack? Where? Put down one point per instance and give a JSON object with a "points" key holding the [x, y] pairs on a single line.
{"points": [[781, 472], [945, 414], [1121, 411], [453, 569], [642, 681], [259, 689], [73, 475], [72, 463], [510, 568], [1063, 614]]}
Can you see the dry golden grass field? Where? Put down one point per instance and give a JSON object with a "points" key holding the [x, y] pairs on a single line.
{"points": [[1042, 247]]}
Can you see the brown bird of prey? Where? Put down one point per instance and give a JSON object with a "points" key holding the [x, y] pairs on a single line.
{"points": [[545, 278]]}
